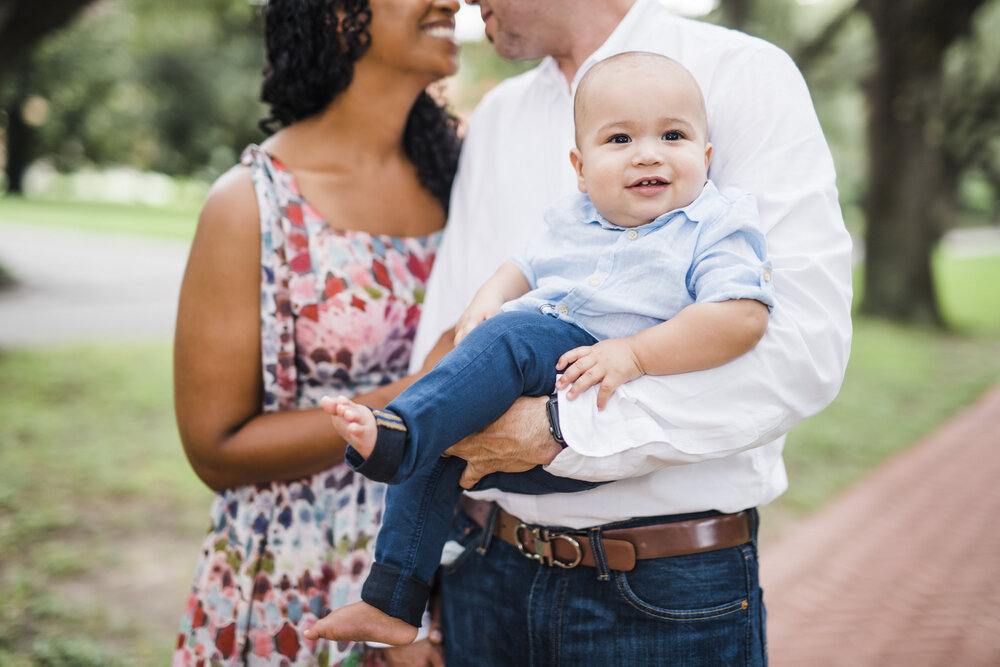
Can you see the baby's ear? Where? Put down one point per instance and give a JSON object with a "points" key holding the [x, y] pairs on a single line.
{"points": [[708, 155], [576, 158]]}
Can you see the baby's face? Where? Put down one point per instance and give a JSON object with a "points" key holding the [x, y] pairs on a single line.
{"points": [[642, 148]]}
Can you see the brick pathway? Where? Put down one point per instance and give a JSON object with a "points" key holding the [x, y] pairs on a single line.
{"points": [[902, 569]]}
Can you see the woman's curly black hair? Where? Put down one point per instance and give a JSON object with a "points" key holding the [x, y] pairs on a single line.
{"points": [[312, 46]]}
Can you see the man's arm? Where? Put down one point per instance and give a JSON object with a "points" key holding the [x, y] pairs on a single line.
{"points": [[702, 335], [518, 441], [768, 142]]}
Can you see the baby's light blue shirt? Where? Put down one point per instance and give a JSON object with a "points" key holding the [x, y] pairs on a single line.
{"points": [[615, 281]]}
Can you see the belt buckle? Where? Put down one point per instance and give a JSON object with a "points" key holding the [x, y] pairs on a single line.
{"points": [[542, 550]]}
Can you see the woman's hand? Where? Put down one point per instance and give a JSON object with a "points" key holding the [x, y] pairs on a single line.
{"points": [[507, 283], [482, 308], [518, 441], [424, 653]]}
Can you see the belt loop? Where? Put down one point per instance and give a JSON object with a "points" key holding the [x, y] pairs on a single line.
{"points": [[487, 537], [597, 548]]}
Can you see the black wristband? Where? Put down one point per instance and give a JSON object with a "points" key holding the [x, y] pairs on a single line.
{"points": [[552, 411]]}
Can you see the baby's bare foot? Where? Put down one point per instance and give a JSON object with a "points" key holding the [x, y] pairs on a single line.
{"points": [[355, 423], [362, 622]]}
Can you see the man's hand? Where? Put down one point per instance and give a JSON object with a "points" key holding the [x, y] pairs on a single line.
{"points": [[518, 441], [610, 363]]}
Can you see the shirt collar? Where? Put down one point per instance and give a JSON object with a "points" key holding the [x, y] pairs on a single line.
{"points": [[582, 210], [549, 69], [621, 39], [700, 208]]}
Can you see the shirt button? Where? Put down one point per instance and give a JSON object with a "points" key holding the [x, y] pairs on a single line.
{"points": [[767, 276], [593, 282], [632, 235], [563, 310]]}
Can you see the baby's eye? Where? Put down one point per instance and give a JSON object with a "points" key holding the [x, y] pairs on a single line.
{"points": [[672, 135], [619, 139]]}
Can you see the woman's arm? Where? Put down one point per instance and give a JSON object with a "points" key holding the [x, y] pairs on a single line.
{"points": [[506, 284], [217, 358]]}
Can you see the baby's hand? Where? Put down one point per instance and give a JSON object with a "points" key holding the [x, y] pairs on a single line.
{"points": [[610, 362], [479, 311]]}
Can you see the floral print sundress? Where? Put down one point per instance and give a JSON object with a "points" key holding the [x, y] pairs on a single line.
{"points": [[339, 310]]}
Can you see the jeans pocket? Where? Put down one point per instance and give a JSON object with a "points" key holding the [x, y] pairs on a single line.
{"points": [[696, 587], [465, 535]]}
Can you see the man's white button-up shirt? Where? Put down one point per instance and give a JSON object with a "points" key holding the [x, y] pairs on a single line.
{"points": [[697, 441]]}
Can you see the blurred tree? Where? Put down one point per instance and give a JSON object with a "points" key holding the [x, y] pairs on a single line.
{"points": [[970, 117], [199, 70], [480, 69], [913, 178], [24, 22], [930, 77], [170, 87], [19, 135], [735, 13], [22, 25]]}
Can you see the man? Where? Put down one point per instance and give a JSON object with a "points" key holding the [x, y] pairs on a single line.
{"points": [[660, 566]]}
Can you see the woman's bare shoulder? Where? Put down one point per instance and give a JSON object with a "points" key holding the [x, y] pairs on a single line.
{"points": [[231, 203]]}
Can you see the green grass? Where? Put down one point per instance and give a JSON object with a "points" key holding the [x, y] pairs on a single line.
{"points": [[94, 490], [176, 221], [969, 291], [900, 384]]}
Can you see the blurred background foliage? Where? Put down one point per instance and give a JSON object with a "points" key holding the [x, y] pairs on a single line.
{"points": [[907, 93], [163, 87]]}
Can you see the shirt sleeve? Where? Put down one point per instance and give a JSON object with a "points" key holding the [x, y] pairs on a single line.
{"points": [[458, 273], [523, 261], [730, 258], [768, 142]]}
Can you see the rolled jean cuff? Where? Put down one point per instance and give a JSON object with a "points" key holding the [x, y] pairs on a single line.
{"points": [[399, 595], [385, 459]]}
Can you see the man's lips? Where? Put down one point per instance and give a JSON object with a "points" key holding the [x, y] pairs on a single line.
{"points": [[486, 15]]}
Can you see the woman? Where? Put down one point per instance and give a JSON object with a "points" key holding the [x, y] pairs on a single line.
{"points": [[306, 278]]}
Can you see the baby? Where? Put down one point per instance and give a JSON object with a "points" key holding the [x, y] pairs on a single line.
{"points": [[648, 270]]}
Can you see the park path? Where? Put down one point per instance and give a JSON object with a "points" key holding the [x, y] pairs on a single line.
{"points": [[902, 569], [81, 286]]}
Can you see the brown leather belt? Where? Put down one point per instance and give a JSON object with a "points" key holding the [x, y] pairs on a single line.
{"points": [[622, 546]]}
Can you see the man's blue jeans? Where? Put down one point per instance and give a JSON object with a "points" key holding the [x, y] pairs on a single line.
{"points": [[505, 357], [500, 608]]}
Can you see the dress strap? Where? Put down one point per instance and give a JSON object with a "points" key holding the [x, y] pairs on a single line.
{"points": [[277, 322]]}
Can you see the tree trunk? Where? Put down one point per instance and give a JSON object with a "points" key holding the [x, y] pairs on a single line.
{"points": [[24, 22], [910, 198], [19, 135], [735, 13], [19, 143]]}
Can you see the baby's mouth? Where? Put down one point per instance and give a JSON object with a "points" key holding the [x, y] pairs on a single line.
{"points": [[649, 182], [649, 187]]}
